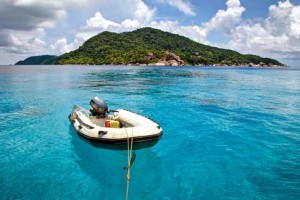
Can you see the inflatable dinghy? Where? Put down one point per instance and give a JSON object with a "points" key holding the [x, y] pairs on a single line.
{"points": [[98, 125]]}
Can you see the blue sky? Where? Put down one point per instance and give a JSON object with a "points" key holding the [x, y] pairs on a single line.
{"points": [[268, 28]]}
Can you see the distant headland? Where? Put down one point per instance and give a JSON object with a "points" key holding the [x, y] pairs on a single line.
{"points": [[38, 60], [148, 46]]}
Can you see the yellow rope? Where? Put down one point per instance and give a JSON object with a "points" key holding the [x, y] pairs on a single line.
{"points": [[129, 146]]}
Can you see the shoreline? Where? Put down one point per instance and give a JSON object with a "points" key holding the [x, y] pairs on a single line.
{"points": [[145, 65], [154, 65]]}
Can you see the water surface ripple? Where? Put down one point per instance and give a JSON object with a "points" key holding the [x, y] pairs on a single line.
{"points": [[229, 133]]}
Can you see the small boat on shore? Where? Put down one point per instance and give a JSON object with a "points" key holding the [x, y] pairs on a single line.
{"points": [[97, 124]]}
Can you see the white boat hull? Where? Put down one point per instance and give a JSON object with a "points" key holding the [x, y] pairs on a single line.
{"points": [[134, 126]]}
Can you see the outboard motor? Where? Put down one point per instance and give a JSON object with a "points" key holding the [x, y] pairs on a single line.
{"points": [[99, 106]]}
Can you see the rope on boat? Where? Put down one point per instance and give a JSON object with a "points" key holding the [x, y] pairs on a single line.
{"points": [[131, 158]]}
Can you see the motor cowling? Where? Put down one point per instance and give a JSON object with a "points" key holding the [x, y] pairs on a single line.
{"points": [[99, 106]]}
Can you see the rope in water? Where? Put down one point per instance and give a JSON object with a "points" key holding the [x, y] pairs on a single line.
{"points": [[130, 161]]}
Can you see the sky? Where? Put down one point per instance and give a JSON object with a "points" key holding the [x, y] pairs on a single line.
{"points": [[268, 28]]}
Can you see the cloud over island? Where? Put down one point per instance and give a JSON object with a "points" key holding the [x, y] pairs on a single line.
{"points": [[33, 27]]}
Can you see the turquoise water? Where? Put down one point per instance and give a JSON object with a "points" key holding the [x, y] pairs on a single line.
{"points": [[228, 133]]}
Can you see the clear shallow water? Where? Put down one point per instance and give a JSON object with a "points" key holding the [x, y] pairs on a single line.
{"points": [[228, 133]]}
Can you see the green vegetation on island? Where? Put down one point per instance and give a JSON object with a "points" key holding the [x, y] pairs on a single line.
{"points": [[149, 46], [38, 60]]}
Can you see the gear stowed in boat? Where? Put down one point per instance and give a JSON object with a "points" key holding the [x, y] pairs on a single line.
{"points": [[97, 124]]}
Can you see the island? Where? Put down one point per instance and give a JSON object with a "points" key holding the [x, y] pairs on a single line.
{"points": [[149, 46], [38, 60]]}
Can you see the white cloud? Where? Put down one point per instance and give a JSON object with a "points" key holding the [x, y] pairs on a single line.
{"points": [[195, 33], [143, 13], [23, 24], [21, 44], [277, 36], [182, 5], [279, 18], [143, 16], [31, 14], [295, 25], [233, 3], [61, 46], [99, 22], [24, 42], [130, 24], [225, 20]]}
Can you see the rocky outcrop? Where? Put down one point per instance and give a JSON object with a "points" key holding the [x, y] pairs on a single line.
{"points": [[149, 56], [262, 64], [170, 59]]}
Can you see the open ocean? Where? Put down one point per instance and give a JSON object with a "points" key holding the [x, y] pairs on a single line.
{"points": [[229, 133]]}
